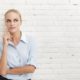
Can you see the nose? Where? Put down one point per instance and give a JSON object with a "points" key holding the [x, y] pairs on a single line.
{"points": [[12, 23]]}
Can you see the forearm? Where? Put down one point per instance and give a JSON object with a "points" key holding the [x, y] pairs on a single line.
{"points": [[3, 60], [21, 70]]}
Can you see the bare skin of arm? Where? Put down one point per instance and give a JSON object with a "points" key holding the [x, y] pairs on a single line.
{"points": [[3, 60], [21, 70]]}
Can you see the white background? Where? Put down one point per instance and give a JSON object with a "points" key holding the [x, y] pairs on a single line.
{"points": [[57, 25]]}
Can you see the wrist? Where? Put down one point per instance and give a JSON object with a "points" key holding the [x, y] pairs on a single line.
{"points": [[5, 45]]}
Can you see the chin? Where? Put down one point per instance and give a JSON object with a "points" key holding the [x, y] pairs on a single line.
{"points": [[12, 32]]}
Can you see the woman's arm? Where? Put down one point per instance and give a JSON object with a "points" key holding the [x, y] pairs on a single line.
{"points": [[3, 59], [21, 70]]}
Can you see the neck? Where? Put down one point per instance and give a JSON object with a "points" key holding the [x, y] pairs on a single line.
{"points": [[16, 37]]}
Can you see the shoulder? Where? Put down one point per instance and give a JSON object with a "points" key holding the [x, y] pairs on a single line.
{"points": [[31, 39], [30, 36]]}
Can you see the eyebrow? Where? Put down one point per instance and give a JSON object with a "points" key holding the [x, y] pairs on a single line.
{"points": [[16, 19], [8, 20], [13, 19]]}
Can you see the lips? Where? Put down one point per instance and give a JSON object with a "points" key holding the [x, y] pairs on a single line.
{"points": [[12, 27]]}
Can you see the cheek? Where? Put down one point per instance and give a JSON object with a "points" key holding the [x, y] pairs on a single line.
{"points": [[7, 25], [18, 25]]}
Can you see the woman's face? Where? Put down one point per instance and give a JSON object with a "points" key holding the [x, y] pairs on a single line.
{"points": [[12, 22]]}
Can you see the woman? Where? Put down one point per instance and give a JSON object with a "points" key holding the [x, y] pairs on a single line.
{"points": [[17, 59]]}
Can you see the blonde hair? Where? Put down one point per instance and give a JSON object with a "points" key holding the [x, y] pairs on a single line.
{"points": [[15, 11]]}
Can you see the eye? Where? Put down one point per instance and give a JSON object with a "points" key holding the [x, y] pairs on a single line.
{"points": [[8, 20], [15, 20]]}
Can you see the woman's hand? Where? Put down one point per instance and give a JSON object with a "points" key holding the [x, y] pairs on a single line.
{"points": [[6, 38]]}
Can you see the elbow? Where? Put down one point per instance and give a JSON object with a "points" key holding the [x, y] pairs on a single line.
{"points": [[3, 72], [33, 69]]}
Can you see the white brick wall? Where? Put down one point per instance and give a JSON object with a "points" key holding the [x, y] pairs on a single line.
{"points": [[57, 24]]}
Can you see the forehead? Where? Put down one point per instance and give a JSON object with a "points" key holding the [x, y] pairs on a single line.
{"points": [[12, 15]]}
